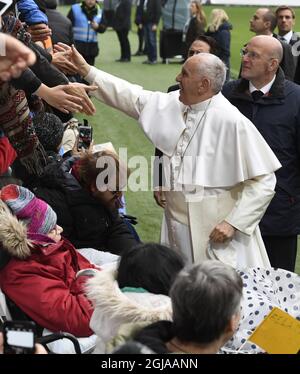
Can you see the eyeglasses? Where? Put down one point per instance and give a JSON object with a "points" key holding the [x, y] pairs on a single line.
{"points": [[252, 55]]}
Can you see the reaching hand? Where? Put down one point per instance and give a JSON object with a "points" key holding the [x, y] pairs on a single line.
{"points": [[59, 98], [68, 98], [75, 57], [39, 32], [61, 61], [222, 232], [16, 59], [79, 90]]}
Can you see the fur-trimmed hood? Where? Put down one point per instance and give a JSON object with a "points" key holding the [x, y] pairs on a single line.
{"points": [[113, 307], [13, 234]]}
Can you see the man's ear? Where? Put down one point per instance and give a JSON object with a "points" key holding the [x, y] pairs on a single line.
{"points": [[274, 65], [203, 85], [267, 25]]}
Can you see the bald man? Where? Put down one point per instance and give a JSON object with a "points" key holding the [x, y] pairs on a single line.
{"points": [[219, 171], [275, 113], [264, 22]]}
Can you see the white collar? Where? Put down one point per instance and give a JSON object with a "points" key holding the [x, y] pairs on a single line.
{"points": [[265, 89], [199, 106], [288, 36]]}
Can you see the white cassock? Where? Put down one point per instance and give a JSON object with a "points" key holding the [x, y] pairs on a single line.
{"points": [[218, 164]]}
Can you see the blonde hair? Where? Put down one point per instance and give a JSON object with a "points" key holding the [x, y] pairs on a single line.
{"points": [[200, 15], [217, 18]]}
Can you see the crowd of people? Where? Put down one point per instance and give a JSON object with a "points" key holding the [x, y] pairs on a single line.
{"points": [[227, 178]]}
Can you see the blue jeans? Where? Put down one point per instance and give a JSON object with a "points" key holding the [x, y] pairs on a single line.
{"points": [[150, 42]]}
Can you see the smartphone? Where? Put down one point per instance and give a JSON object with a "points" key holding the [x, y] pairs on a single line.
{"points": [[4, 4], [85, 136], [19, 337]]}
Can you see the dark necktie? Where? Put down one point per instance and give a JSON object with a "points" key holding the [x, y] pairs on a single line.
{"points": [[256, 95], [282, 39]]}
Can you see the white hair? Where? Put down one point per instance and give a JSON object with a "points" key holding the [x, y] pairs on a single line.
{"points": [[211, 67]]}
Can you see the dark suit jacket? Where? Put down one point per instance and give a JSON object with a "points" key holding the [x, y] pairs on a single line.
{"points": [[122, 15], [295, 44]]}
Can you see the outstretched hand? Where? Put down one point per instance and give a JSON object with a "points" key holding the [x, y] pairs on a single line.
{"points": [[61, 60], [80, 90], [68, 98], [75, 58], [16, 57]]}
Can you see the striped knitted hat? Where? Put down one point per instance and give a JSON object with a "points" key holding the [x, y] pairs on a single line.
{"points": [[39, 217]]}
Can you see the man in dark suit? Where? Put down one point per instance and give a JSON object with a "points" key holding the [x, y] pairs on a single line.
{"points": [[285, 22], [264, 22], [272, 103], [121, 24]]}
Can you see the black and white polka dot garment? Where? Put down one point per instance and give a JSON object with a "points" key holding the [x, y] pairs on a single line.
{"points": [[264, 290]]}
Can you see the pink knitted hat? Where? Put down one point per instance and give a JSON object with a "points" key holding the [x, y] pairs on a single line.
{"points": [[39, 217]]}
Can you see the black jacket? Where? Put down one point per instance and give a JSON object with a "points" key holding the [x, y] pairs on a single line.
{"points": [[223, 37], [295, 41], [277, 117], [122, 15], [194, 30], [86, 222], [152, 13], [156, 336], [288, 62], [61, 26]]}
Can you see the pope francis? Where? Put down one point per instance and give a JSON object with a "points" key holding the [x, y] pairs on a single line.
{"points": [[219, 171]]}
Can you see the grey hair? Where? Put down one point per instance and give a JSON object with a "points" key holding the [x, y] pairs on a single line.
{"points": [[204, 299], [211, 67]]}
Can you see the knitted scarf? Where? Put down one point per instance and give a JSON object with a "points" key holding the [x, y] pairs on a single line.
{"points": [[16, 122], [15, 119], [14, 27]]}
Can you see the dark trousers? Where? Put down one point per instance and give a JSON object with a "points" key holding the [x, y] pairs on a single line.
{"points": [[150, 42], [141, 38], [124, 44], [90, 59], [282, 251]]}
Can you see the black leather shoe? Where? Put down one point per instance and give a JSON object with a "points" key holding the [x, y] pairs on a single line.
{"points": [[123, 60], [139, 53], [148, 62]]}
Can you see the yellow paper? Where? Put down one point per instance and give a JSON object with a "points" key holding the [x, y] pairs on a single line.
{"points": [[278, 333]]}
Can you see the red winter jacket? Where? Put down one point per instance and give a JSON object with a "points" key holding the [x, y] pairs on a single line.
{"points": [[41, 280], [7, 154]]}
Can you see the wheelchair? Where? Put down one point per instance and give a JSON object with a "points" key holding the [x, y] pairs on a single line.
{"points": [[58, 342]]}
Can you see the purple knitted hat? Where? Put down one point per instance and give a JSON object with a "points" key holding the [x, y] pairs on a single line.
{"points": [[39, 217]]}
